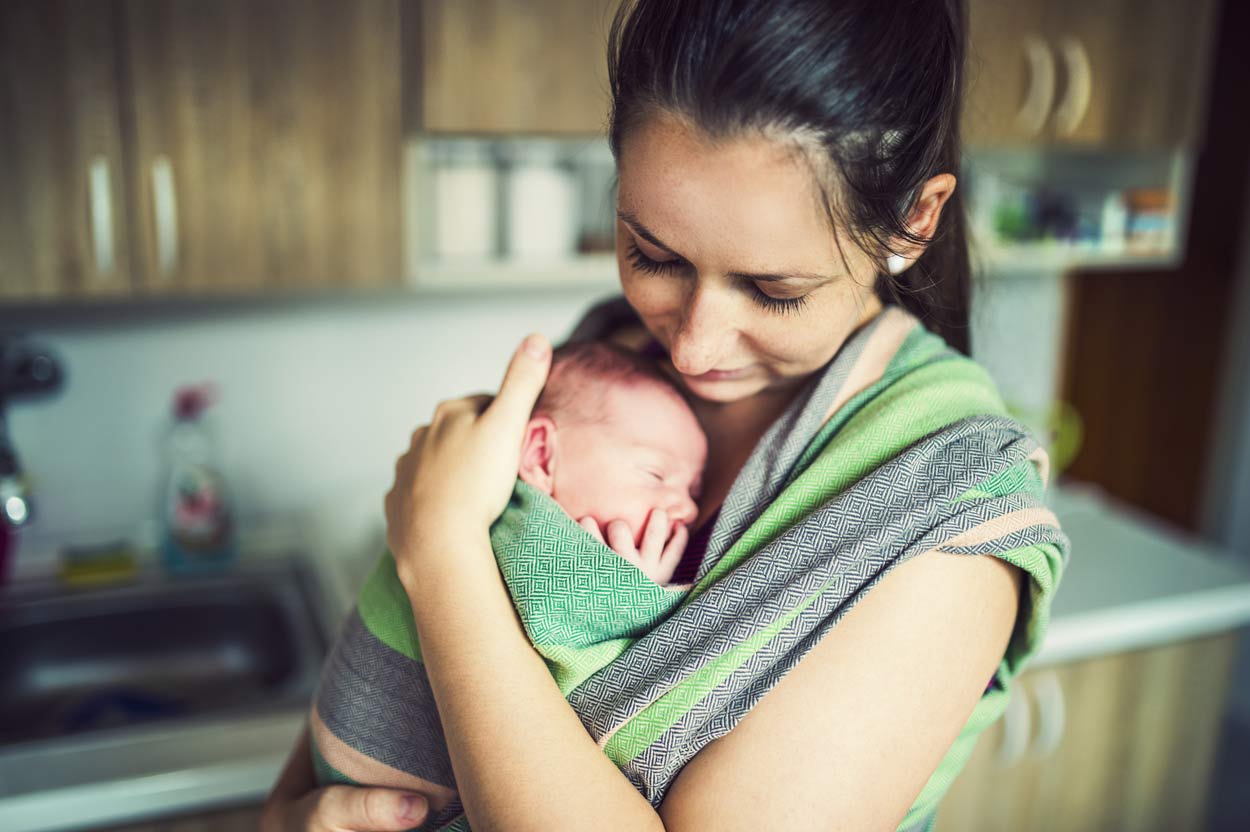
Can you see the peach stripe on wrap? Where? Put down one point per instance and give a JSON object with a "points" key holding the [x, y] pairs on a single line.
{"points": [[363, 769]]}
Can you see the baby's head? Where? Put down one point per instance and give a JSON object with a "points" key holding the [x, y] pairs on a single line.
{"points": [[611, 438]]}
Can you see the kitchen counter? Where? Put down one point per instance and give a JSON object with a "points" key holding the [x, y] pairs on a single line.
{"points": [[1132, 582], [151, 772]]}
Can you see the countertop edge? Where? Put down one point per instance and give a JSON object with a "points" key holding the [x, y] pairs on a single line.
{"points": [[1144, 625]]}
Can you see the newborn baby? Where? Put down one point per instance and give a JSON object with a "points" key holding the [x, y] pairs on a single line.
{"points": [[612, 441], [610, 467]]}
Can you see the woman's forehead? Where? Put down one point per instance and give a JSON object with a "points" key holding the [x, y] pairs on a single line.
{"points": [[748, 197]]}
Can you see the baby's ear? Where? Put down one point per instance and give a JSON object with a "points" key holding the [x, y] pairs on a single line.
{"points": [[537, 453]]}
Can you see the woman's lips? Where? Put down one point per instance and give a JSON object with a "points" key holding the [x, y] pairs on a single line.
{"points": [[720, 375]]}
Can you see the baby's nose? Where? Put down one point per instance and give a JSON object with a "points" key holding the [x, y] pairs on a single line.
{"points": [[682, 509]]}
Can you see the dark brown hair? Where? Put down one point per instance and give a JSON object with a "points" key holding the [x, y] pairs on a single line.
{"points": [[871, 89]]}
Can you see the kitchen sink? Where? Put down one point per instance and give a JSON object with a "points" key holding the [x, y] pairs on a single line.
{"points": [[159, 650]]}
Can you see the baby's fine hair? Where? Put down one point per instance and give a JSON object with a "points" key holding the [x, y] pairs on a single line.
{"points": [[593, 362]]}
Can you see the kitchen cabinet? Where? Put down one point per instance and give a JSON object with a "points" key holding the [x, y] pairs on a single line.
{"points": [[265, 143], [179, 147], [63, 221], [1127, 74], [1123, 741], [499, 66]]}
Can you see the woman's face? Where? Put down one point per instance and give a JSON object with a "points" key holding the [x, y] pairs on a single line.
{"points": [[726, 253]]}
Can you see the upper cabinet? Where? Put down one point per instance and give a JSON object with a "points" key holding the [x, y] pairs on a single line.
{"points": [[181, 147], [265, 143], [196, 147], [1128, 74], [63, 222], [499, 66]]}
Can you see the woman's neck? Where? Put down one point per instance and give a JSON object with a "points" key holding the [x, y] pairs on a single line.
{"points": [[733, 430]]}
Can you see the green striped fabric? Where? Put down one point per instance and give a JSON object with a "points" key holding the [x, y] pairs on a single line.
{"points": [[900, 446]]}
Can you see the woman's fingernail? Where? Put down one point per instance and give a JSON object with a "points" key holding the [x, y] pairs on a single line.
{"points": [[413, 807], [536, 345]]}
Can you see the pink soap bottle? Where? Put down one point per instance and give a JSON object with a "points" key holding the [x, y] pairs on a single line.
{"points": [[197, 522]]}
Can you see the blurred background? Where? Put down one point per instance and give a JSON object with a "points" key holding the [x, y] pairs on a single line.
{"points": [[245, 247]]}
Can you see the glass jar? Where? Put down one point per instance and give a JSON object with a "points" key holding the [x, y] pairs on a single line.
{"points": [[465, 186], [541, 202]]}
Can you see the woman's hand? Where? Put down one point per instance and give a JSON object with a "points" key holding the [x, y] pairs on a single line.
{"points": [[659, 552], [459, 471], [346, 809], [294, 805]]}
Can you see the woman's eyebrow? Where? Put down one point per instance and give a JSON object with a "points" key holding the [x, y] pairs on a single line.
{"points": [[769, 277]]}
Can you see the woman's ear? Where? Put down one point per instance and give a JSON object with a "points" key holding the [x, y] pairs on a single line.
{"points": [[538, 450], [923, 220]]}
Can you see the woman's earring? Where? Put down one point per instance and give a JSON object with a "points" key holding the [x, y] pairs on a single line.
{"points": [[896, 264]]}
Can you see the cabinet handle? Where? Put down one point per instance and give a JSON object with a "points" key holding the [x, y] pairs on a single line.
{"points": [[1041, 92], [1017, 728], [1052, 714], [165, 208], [100, 206], [1071, 110]]}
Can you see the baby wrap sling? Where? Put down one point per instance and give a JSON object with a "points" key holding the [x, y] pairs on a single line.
{"points": [[898, 446]]}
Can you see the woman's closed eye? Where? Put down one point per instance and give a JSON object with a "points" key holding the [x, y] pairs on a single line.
{"points": [[650, 265]]}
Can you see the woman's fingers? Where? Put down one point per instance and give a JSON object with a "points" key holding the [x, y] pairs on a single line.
{"points": [[523, 381], [340, 808]]}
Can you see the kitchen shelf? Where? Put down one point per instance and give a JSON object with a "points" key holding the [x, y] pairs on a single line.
{"points": [[586, 271]]}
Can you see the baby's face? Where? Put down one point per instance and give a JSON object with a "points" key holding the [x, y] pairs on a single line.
{"points": [[648, 454]]}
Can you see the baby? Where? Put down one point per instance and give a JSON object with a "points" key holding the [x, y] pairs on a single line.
{"points": [[611, 442]]}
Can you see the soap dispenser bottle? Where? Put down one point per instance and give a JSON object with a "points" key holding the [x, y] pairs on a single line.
{"points": [[197, 524]]}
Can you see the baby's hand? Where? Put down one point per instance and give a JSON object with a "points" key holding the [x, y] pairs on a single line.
{"points": [[659, 553]]}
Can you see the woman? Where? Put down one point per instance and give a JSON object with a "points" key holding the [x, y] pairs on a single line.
{"points": [[785, 175]]}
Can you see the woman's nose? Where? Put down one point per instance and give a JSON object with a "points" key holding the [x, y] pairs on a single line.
{"points": [[696, 345]]}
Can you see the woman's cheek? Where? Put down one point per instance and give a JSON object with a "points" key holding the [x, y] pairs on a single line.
{"points": [[654, 297]]}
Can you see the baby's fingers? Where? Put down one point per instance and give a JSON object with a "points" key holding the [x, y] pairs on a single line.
{"points": [[589, 524], [621, 539], [676, 548], [654, 535]]}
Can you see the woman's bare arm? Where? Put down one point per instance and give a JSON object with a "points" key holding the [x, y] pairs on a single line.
{"points": [[850, 736], [522, 758]]}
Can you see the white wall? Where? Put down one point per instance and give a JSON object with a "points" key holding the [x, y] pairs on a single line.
{"points": [[316, 403]]}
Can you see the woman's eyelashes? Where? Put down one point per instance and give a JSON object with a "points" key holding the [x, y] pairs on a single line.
{"points": [[643, 263]]}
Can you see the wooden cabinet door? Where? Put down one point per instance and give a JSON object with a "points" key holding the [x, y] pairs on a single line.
{"points": [[1133, 73], [62, 204], [265, 143], [1132, 741], [1011, 73], [500, 66], [1087, 73]]}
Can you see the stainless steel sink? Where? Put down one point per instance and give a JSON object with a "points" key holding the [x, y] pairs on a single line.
{"points": [[164, 649], [168, 696]]}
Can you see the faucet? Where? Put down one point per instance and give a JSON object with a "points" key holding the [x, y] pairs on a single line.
{"points": [[26, 370]]}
